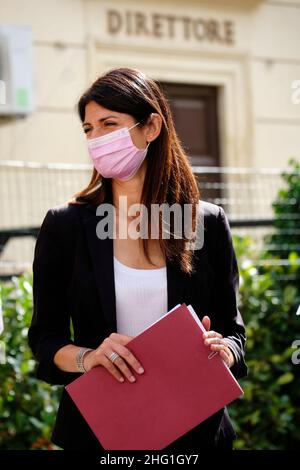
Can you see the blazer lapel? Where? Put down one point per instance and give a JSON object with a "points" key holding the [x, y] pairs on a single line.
{"points": [[101, 252]]}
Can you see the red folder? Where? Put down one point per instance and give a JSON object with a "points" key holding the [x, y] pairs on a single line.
{"points": [[183, 384]]}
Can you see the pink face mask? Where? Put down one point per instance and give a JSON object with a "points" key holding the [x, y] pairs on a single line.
{"points": [[114, 155]]}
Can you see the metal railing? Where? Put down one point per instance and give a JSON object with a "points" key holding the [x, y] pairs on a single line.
{"points": [[29, 189]]}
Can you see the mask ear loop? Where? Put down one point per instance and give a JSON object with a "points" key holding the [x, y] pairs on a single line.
{"points": [[146, 140], [129, 128], [137, 123]]}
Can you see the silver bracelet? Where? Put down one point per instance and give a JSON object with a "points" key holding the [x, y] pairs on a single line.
{"points": [[79, 359]]}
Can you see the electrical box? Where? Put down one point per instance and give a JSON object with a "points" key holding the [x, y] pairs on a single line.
{"points": [[16, 74]]}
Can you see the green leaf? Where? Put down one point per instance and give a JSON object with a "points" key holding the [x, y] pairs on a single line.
{"points": [[285, 378]]}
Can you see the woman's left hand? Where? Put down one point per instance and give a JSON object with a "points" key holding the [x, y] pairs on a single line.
{"points": [[217, 343]]}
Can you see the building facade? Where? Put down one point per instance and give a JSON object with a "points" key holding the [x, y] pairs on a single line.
{"points": [[231, 70]]}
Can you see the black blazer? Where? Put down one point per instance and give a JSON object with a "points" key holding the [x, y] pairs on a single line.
{"points": [[73, 278]]}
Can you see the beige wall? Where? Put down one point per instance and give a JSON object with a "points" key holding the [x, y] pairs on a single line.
{"points": [[275, 65], [259, 123]]}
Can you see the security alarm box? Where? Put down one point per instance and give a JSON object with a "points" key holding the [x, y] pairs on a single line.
{"points": [[16, 75]]}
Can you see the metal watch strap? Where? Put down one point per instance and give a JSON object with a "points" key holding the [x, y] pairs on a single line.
{"points": [[79, 359]]}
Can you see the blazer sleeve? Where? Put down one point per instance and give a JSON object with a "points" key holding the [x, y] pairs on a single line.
{"points": [[227, 317], [50, 326]]}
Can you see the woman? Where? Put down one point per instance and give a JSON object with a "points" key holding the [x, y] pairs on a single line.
{"points": [[113, 287]]}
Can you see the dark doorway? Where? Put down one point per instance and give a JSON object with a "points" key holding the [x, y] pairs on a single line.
{"points": [[195, 113]]}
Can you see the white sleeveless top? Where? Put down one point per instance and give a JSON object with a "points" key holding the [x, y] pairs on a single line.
{"points": [[141, 297]]}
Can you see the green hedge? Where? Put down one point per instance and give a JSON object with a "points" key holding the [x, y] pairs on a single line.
{"points": [[27, 405], [268, 417]]}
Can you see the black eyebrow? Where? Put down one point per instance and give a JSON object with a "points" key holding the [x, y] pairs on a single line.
{"points": [[101, 120]]}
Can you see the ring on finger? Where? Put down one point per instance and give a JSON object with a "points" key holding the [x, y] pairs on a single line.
{"points": [[113, 356]]}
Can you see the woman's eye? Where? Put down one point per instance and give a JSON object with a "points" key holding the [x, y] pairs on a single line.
{"points": [[110, 123], [86, 130]]}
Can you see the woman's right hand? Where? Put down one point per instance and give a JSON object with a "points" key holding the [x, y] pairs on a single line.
{"points": [[114, 343]]}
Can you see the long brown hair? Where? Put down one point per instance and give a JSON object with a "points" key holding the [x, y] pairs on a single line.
{"points": [[169, 178]]}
